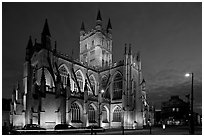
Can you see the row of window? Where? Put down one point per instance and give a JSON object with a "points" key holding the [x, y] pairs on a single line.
{"points": [[76, 116], [117, 83]]}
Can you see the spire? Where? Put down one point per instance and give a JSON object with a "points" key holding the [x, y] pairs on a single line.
{"points": [[82, 29], [109, 24], [99, 21], [29, 49], [30, 43], [125, 48], [18, 86], [99, 16], [46, 29], [82, 26], [138, 56], [55, 49], [130, 50]]}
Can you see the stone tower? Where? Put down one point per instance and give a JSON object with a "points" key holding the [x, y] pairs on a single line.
{"points": [[96, 45]]}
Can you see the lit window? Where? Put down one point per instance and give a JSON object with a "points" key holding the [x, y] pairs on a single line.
{"points": [[80, 82], [117, 114], [104, 115], [91, 114], [89, 91], [92, 83], [117, 86], [173, 109], [106, 94], [75, 113], [64, 75]]}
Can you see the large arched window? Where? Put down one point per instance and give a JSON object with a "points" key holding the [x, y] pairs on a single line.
{"points": [[80, 81], [117, 114], [64, 75], [89, 91], [91, 114], [104, 115], [117, 86], [93, 85], [75, 112], [104, 80]]}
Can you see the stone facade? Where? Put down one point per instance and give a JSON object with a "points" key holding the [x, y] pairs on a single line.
{"points": [[59, 89]]}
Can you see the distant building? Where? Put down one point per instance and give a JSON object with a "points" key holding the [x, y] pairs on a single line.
{"points": [[175, 111], [58, 89], [6, 112]]}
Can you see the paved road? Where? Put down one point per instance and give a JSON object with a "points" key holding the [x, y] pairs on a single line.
{"points": [[154, 131]]}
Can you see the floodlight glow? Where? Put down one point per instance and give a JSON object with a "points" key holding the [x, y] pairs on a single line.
{"points": [[102, 91]]}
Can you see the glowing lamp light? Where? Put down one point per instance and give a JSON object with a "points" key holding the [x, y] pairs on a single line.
{"points": [[102, 90], [187, 74]]}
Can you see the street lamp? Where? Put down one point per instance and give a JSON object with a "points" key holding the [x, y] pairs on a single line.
{"points": [[191, 110]]}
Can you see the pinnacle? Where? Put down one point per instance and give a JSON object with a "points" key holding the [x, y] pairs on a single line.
{"points": [[99, 16], [46, 29]]}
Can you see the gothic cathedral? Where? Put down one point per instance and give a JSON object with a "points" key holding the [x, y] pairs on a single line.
{"points": [[92, 91]]}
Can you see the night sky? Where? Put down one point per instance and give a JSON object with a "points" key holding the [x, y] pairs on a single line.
{"points": [[168, 36]]}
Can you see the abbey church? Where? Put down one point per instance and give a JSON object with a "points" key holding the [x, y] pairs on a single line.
{"points": [[89, 91]]}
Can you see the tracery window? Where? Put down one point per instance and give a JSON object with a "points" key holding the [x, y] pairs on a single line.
{"points": [[80, 81], [89, 91], [104, 115], [117, 86], [75, 112], [92, 81], [106, 94], [117, 114], [91, 114], [64, 75]]}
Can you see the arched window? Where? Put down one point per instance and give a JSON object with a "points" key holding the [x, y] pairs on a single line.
{"points": [[80, 81], [91, 114], [89, 91], [118, 86], [117, 114], [93, 85], [64, 75], [104, 115], [75, 112], [106, 94]]}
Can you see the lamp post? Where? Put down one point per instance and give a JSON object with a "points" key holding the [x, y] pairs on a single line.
{"points": [[191, 131]]}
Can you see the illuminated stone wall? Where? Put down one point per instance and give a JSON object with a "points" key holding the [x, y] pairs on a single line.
{"points": [[51, 105]]}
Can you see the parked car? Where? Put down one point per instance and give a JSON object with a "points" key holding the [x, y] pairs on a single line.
{"points": [[64, 126], [95, 127], [32, 127]]}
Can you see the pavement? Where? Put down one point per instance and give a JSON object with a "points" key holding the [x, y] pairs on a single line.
{"points": [[176, 130], [154, 131]]}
